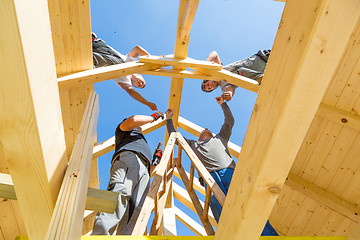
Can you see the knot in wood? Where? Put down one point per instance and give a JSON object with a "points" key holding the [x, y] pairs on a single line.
{"points": [[274, 190]]}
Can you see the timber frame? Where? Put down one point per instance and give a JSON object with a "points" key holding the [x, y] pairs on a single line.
{"points": [[299, 162]]}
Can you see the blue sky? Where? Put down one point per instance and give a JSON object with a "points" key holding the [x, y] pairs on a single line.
{"points": [[236, 29]]}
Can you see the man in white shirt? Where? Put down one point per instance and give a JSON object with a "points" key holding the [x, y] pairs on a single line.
{"points": [[104, 55]]}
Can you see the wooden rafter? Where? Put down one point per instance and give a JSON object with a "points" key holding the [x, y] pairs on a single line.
{"points": [[104, 73], [323, 197], [283, 122], [340, 116]]}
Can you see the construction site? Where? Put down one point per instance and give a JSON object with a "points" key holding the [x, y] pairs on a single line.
{"points": [[297, 165]]}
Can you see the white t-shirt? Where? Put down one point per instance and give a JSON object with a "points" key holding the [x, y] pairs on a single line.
{"points": [[124, 79]]}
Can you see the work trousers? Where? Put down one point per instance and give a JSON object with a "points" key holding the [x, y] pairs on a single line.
{"points": [[104, 55], [252, 67], [223, 178], [130, 178]]}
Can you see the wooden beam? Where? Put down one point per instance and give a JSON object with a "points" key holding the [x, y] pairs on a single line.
{"points": [[196, 130], [195, 201], [189, 222], [323, 197], [179, 74], [179, 62], [355, 233], [149, 202], [31, 129], [155, 227], [342, 117], [109, 144], [97, 199], [183, 196], [66, 222], [311, 39], [103, 73], [196, 183]]}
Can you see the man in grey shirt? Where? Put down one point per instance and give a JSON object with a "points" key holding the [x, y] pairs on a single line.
{"points": [[252, 67], [213, 152]]}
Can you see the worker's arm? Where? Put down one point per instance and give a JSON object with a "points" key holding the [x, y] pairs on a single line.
{"points": [[170, 125], [229, 121], [214, 57], [138, 50], [137, 96], [139, 120]]}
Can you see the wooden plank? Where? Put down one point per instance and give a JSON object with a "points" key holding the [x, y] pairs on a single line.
{"points": [[66, 222], [332, 163], [179, 74], [309, 34], [189, 222], [179, 62], [207, 203], [195, 201], [97, 199], [24, 112], [149, 204], [196, 130], [323, 147], [316, 220], [183, 196], [104, 73], [155, 227], [355, 234], [339, 116], [347, 169], [323, 197], [88, 222], [109, 144], [208, 179]]}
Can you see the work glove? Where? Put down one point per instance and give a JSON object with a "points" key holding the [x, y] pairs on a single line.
{"points": [[156, 115]]}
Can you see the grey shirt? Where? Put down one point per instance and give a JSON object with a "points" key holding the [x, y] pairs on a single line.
{"points": [[213, 152]]}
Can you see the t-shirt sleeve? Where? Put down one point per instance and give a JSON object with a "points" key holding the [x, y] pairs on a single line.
{"points": [[124, 79], [224, 84]]}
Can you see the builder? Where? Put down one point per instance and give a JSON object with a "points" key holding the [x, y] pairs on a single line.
{"points": [[213, 152], [252, 67], [104, 55], [129, 176]]}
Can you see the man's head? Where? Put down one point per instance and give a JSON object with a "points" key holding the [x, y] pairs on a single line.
{"points": [[208, 85], [138, 81], [205, 134]]}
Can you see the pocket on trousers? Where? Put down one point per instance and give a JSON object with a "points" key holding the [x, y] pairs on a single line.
{"points": [[118, 172]]}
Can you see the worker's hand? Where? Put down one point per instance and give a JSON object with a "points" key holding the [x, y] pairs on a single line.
{"points": [[156, 115], [169, 113], [219, 100], [152, 106], [227, 95]]}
